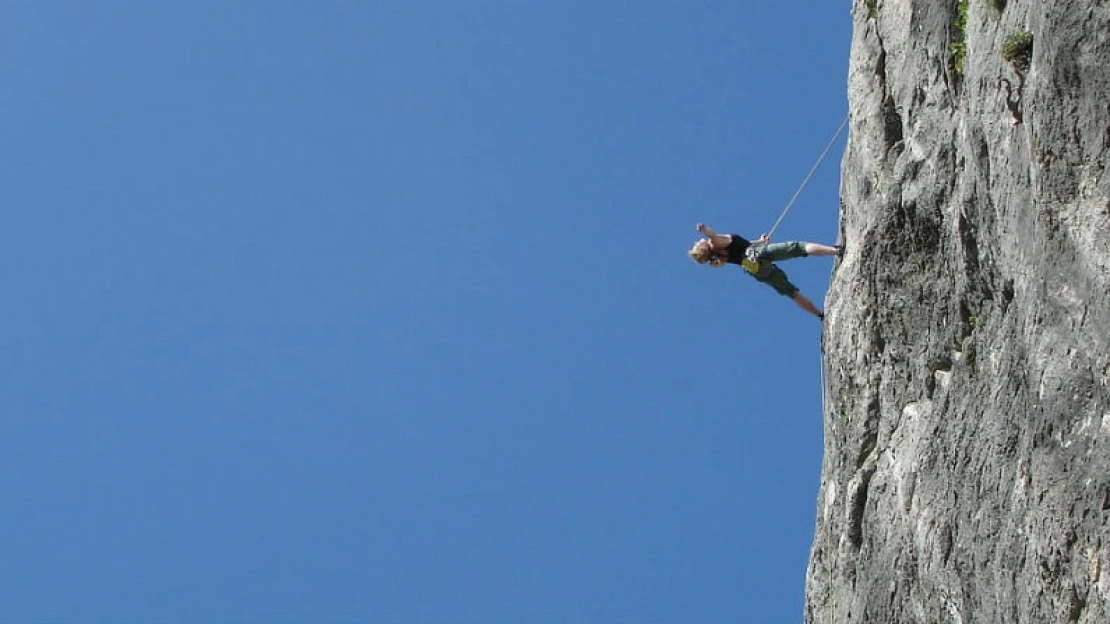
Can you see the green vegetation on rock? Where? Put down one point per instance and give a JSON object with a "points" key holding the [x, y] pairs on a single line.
{"points": [[1018, 50], [958, 47]]}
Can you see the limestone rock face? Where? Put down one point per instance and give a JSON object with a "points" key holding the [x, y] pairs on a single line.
{"points": [[966, 473]]}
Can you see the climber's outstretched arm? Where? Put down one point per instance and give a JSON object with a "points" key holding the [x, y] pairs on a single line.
{"points": [[720, 241]]}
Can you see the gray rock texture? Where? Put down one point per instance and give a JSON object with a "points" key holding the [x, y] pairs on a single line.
{"points": [[966, 474]]}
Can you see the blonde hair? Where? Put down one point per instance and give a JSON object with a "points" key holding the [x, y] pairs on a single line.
{"points": [[702, 252]]}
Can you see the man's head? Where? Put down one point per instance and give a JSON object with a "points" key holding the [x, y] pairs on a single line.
{"points": [[703, 252]]}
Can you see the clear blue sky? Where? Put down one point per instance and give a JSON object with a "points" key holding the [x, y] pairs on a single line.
{"points": [[381, 311]]}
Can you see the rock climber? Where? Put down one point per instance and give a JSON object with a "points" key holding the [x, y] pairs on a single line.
{"points": [[758, 258]]}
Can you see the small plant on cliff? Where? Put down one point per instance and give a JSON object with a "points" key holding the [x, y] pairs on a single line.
{"points": [[872, 8], [999, 6], [1018, 50], [958, 47]]}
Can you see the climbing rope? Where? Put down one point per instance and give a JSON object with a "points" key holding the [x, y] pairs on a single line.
{"points": [[808, 176]]}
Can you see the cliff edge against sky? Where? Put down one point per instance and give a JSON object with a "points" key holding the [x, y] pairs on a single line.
{"points": [[966, 474]]}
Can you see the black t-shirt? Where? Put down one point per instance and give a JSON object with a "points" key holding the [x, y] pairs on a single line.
{"points": [[736, 248]]}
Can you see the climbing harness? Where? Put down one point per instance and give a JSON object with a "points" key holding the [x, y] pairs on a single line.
{"points": [[808, 176], [750, 261]]}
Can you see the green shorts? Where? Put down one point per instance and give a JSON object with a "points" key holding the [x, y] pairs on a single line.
{"points": [[782, 251], [772, 275]]}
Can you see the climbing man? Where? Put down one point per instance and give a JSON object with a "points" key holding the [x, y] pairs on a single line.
{"points": [[758, 258]]}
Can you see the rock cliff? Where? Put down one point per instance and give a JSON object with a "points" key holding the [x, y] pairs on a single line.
{"points": [[966, 474]]}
